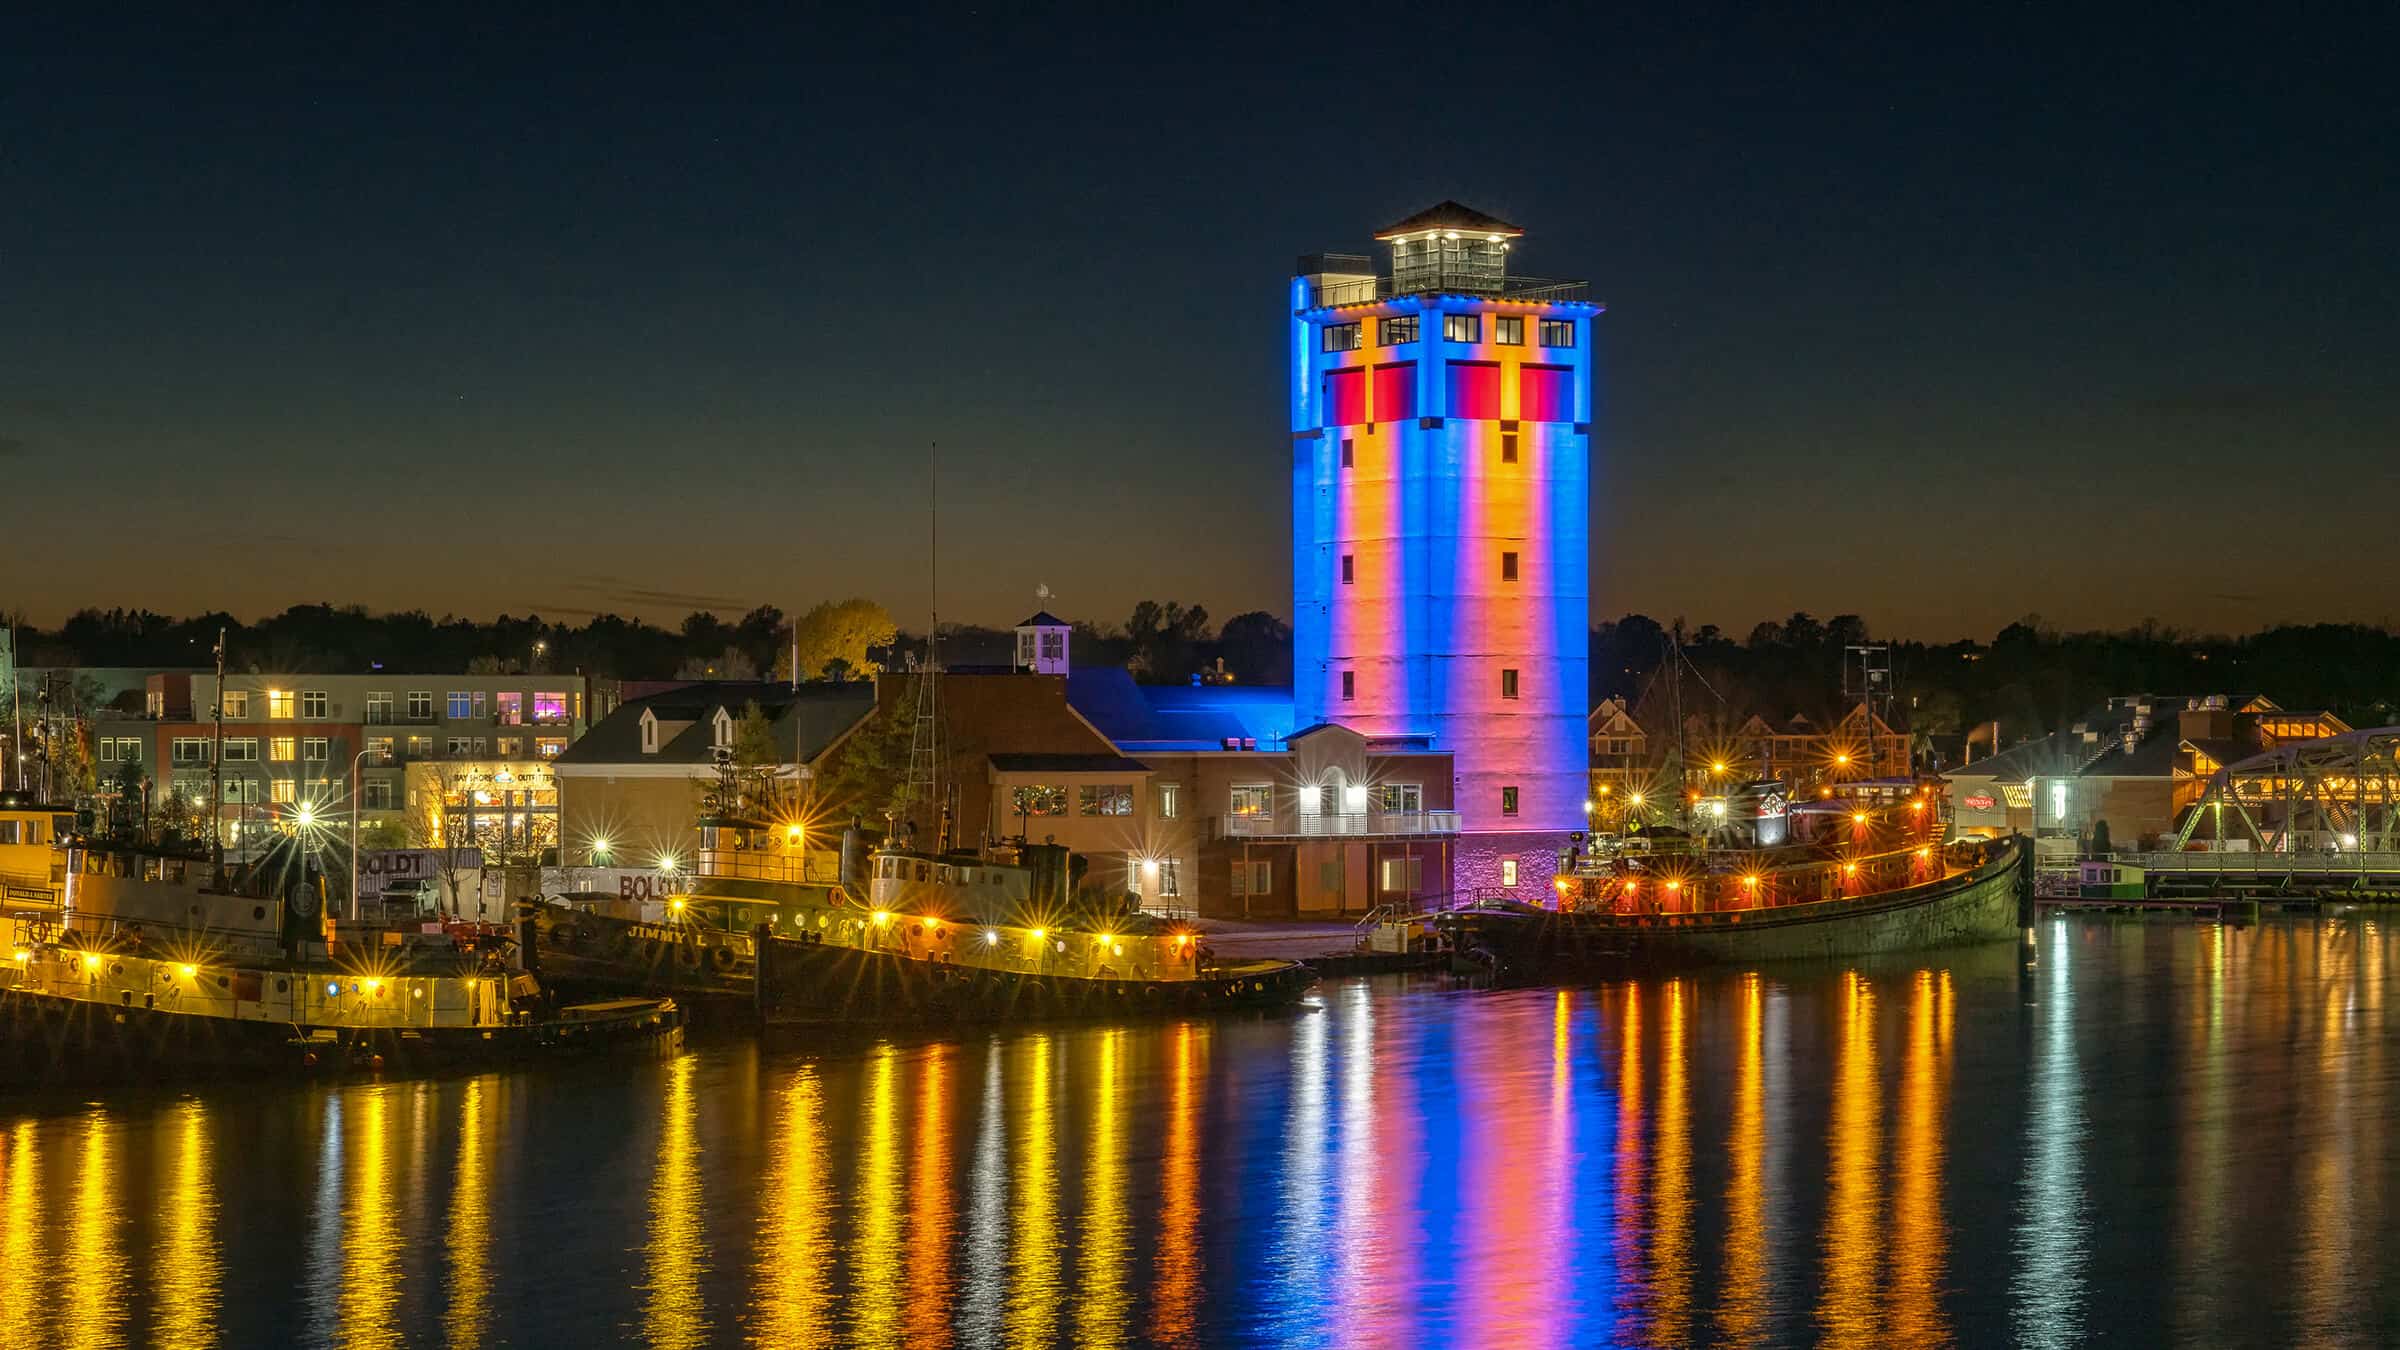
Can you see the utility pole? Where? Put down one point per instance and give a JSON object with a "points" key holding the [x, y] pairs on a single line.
{"points": [[216, 764], [16, 713]]}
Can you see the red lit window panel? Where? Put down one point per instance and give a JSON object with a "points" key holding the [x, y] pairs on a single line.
{"points": [[1474, 389], [1546, 394], [1396, 392], [1345, 397]]}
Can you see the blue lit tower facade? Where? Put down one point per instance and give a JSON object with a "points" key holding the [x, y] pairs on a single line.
{"points": [[1441, 453]]}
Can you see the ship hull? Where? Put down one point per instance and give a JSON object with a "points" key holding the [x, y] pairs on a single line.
{"points": [[47, 1038], [1982, 906]]}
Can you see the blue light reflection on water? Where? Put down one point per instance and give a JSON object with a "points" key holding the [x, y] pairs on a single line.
{"points": [[2166, 1129]]}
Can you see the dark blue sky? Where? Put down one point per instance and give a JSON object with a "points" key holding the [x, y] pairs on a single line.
{"points": [[1936, 319]]}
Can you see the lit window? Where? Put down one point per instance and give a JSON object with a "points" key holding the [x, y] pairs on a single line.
{"points": [[1399, 797], [379, 749], [237, 703], [462, 705], [1170, 877], [1399, 330], [1403, 874], [1509, 331], [1038, 799], [420, 746], [1104, 799], [550, 747], [550, 707], [283, 749], [1168, 800], [1341, 337], [1508, 683], [1558, 332], [1349, 685], [1508, 801], [1253, 799], [1508, 872], [461, 745], [510, 707], [1349, 570], [284, 790], [1508, 567], [507, 746], [315, 705], [1462, 328]]}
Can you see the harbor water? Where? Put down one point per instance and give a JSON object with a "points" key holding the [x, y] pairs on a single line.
{"points": [[2162, 1131]]}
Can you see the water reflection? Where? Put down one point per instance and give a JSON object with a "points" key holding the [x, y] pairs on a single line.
{"points": [[1852, 1245], [1893, 1153], [794, 1247], [674, 1315], [95, 1308], [1034, 1255], [2048, 1290], [188, 1268], [1176, 1270], [1741, 1318], [470, 1234]]}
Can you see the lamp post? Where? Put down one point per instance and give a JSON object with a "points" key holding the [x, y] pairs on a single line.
{"points": [[355, 761]]}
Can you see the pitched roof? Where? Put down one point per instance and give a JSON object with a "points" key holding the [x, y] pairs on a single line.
{"points": [[1019, 763], [1450, 215], [1140, 717], [805, 721], [1043, 619]]}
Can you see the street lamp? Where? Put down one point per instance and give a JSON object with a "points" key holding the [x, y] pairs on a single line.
{"points": [[355, 761]]}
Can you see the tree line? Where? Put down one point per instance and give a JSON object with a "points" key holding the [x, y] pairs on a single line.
{"points": [[2030, 676]]}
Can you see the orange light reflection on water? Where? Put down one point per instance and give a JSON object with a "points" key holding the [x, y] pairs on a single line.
{"points": [[929, 1221], [794, 1247], [1852, 1246], [674, 1310], [1741, 1318], [1177, 1264]]}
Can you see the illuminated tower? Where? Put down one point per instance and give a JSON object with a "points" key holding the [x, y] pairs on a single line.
{"points": [[1441, 450]]}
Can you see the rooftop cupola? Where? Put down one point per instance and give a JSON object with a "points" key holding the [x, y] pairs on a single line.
{"points": [[1450, 248], [1042, 644]]}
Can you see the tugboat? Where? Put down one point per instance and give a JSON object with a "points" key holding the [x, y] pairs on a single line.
{"points": [[1887, 887], [138, 964], [900, 936]]}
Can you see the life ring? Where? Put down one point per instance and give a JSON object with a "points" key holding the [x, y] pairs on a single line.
{"points": [[1150, 993], [586, 934], [720, 959], [687, 955], [650, 951]]}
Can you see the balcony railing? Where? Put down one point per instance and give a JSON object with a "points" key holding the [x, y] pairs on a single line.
{"points": [[1343, 825], [1369, 290]]}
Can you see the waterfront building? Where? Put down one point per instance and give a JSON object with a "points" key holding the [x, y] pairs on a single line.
{"points": [[2139, 762], [1441, 419], [482, 743], [630, 791]]}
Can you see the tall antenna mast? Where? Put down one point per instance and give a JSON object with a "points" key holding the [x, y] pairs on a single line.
{"points": [[924, 749]]}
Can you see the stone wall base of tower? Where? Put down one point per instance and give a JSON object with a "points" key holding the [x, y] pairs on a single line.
{"points": [[1479, 867]]}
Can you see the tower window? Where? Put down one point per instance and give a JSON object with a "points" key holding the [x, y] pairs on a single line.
{"points": [[1399, 330], [1508, 683], [1508, 567], [1508, 447], [1349, 685], [1509, 331], [1462, 328], [1508, 872], [1347, 458], [1558, 332], [1341, 337], [1350, 573], [1508, 801]]}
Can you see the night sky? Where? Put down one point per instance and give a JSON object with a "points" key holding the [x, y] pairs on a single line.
{"points": [[1939, 320]]}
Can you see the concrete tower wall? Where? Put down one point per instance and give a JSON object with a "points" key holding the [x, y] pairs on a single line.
{"points": [[1431, 499]]}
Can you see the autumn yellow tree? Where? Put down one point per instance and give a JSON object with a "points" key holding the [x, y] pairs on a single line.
{"points": [[836, 637]]}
